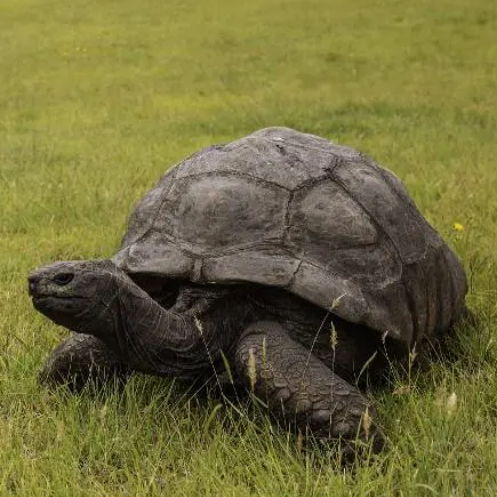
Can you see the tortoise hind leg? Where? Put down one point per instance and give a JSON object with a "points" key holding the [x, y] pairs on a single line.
{"points": [[299, 388], [81, 359]]}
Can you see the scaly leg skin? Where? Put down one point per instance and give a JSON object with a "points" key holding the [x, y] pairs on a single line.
{"points": [[301, 390], [81, 359]]}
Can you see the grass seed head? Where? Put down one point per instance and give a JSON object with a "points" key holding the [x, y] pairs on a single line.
{"points": [[252, 371], [451, 404], [366, 422]]}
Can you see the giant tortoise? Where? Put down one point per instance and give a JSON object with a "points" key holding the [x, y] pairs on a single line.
{"points": [[281, 263]]}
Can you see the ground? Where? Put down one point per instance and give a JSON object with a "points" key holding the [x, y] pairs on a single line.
{"points": [[99, 97]]}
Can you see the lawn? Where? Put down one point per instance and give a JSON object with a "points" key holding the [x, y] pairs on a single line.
{"points": [[99, 97]]}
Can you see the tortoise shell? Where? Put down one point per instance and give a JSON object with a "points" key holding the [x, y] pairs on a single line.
{"points": [[295, 211]]}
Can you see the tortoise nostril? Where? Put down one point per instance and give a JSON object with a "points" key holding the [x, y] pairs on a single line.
{"points": [[63, 278]]}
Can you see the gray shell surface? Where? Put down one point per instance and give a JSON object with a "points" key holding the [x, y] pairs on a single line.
{"points": [[295, 211]]}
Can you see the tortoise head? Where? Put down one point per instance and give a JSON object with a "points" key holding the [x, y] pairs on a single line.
{"points": [[76, 294]]}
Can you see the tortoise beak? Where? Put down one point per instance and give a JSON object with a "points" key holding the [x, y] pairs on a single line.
{"points": [[33, 280]]}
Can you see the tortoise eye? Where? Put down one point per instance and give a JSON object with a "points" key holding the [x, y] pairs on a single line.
{"points": [[63, 278]]}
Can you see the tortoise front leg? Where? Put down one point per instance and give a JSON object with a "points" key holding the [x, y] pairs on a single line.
{"points": [[81, 359], [300, 389]]}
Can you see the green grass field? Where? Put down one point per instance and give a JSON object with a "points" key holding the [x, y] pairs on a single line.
{"points": [[99, 97]]}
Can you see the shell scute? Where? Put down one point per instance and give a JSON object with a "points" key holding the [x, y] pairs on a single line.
{"points": [[212, 214], [388, 207], [324, 218]]}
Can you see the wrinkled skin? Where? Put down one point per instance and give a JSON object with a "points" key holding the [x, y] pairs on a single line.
{"points": [[277, 346]]}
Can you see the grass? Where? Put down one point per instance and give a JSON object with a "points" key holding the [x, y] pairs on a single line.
{"points": [[99, 98]]}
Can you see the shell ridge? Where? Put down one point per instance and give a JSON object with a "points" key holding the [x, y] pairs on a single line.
{"points": [[229, 174], [286, 230], [232, 249]]}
